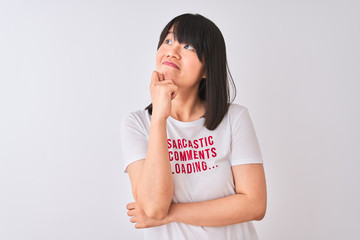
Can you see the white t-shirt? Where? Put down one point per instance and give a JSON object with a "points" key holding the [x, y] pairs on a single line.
{"points": [[201, 163]]}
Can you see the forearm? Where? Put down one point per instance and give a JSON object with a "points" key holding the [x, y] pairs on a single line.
{"points": [[155, 185], [219, 212]]}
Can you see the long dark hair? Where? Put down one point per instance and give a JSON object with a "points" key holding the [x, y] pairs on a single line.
{"points": [[209, 44]]}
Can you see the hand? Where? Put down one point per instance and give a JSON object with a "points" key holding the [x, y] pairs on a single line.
{"points": [[163, 91], [139, 217]]}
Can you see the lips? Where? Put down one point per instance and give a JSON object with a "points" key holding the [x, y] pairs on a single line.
{"points": [[170, 64]]}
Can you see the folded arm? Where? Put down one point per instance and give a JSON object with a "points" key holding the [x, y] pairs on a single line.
{"points": [[249, 203], [151, 178]]}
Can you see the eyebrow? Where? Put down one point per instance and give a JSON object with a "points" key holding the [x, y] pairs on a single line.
{"points": [[172, 35]]}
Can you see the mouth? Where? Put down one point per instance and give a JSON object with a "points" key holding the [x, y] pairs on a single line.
{"points": [[170, 64]]}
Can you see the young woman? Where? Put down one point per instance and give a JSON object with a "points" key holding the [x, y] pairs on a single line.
{"points": [[193, 158]]}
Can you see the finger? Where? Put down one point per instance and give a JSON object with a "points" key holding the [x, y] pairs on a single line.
{"points": [[174, 91], [171, 89], [168, 84], [139, 225], [130, 206], [167, 81], [131, 213], [156, 77], [133, 220], [161, 76]]}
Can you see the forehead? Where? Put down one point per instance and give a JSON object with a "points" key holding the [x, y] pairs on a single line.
{"points": [[170, 34], [171, 31]]}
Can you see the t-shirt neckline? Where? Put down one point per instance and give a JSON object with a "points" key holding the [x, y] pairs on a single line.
{"points": [[186, 124]]}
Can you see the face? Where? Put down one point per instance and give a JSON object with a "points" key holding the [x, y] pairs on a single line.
{"points": [[179, 62]]}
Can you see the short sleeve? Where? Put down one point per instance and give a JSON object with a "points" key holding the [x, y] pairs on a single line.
{"points": [[134, 139], [245, 148]]}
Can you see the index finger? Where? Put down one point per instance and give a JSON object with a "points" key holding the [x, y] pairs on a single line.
{"points": [[130, 205], [156, 77]]}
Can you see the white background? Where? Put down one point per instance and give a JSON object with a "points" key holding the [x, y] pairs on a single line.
{"points": [[70, 71]]}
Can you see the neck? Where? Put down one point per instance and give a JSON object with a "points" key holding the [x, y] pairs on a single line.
{"points": [[187, 106]]}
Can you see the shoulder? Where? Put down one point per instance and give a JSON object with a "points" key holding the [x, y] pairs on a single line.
{"points": [[136, 115], [136, 118], [235, 110], [237, 116]]}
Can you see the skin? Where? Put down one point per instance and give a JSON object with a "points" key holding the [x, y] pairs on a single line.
{"points": [[187, 106], [174, 93], [248, 204]]}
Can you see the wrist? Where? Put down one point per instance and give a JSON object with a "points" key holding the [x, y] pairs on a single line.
{"points": [[158, 119], [171, 215]]}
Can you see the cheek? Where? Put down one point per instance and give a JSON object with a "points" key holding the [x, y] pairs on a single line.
{"points": [[157, 62], [159, 55], [196, 67]]}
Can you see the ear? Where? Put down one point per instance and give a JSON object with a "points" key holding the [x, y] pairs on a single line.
{"points": [[204, 69], [204, 76]]}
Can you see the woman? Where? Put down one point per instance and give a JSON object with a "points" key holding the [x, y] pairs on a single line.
{"points": [[193, 158]]}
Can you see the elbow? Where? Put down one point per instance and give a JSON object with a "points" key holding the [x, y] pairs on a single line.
{"points": [[156, 207], [156, 210], [157, 213], [260, 216], [260, 212]]}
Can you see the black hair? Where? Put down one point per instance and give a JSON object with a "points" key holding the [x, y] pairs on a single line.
{"points": [[209, 45]]}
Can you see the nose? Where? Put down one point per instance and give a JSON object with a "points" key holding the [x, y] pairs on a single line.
{"points": [[173, 51]]}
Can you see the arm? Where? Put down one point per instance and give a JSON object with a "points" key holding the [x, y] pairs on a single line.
{"points": [[151, 178], [249, 203]]}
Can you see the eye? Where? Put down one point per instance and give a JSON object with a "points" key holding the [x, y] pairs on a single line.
{"points": [[189, 47], [168, 41]]}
